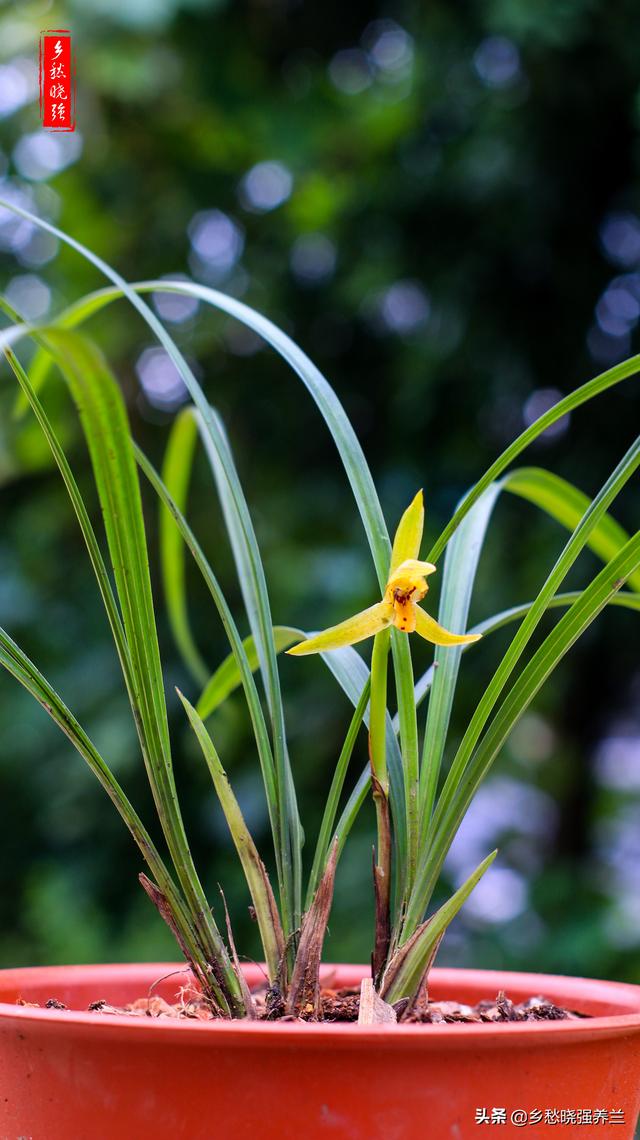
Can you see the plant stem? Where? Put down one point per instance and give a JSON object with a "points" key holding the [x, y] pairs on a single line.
{"points": [[407, 717], [380, 786], [378, 710]]}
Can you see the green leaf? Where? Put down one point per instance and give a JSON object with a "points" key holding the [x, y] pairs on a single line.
{"points": [[88, 533], [16, 662], [327, 833], [586, 527], [176, 474], [355, 466], [233, 637], [578, 618], [506, 617], [350, 811], [227, 678], [252, 865], [576, 543], [569, 403], [42, 361], [256, 599], [106, 428], [290, 831], [563, 501], [352, 674], [408, 969], [460, 566]]}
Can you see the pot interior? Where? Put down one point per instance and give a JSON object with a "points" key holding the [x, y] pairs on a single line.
{"points": [[78, 986]]}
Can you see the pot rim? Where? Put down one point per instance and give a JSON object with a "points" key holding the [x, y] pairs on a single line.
{"points": [[569, 991]]}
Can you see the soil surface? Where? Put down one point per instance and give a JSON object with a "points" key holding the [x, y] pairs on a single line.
{"points": [[340, 1005]]}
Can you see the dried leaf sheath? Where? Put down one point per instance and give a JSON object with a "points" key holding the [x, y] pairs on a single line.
{"points": [[303, 999], [163, 908], [249, 1004]]}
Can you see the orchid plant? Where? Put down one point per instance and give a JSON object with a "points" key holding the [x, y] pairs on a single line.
{"points": [[419, 800]]}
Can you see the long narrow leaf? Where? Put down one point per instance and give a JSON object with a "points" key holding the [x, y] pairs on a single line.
{"points": [[16, 662], [233, 636], [227, 677], [177, 523], [498, 621], [593, 514], [352, 808], [355, 466], [256, 599], [254, 869], [327, 833], [352, 674], [460, 566], [104, 421], [570, 627], [566, 504], [569, 403], [406, 972], [88, 533], [290, 831], [326, 399], [563, 502], [176, 474]]}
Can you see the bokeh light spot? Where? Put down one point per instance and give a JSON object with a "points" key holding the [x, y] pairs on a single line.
{"points": [[161, 382], [497, 62], [539, 402], [217, 243], [350, 71], [29, 295], [620, 238], [266, 186], [41, 154], [175, 307], [404, 307], [313, 259]]}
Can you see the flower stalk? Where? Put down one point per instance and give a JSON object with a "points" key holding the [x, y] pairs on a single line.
{"points": [[380, 788]]}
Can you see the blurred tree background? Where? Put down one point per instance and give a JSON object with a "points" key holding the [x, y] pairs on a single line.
{"points": [[441, 203]]}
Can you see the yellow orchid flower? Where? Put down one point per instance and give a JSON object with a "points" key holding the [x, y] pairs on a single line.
{"points": [[406, 587]]}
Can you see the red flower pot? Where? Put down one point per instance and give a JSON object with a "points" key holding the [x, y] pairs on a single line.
{"points": [[73, 1075]]}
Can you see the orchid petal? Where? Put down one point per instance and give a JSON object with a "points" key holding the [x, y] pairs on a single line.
{"points": [[410, 569], [429, 628], [406, 543], [357, 628]]}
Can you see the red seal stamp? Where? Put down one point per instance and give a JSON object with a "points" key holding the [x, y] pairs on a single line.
{"points": [[57, 80]]}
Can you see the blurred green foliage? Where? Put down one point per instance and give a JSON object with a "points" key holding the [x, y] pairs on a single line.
{"points": [[448, 222]]}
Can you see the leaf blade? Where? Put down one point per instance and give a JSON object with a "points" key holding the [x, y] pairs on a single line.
{"points": [[176, 474], [227, 678], [565, 503], [254, 869]]}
